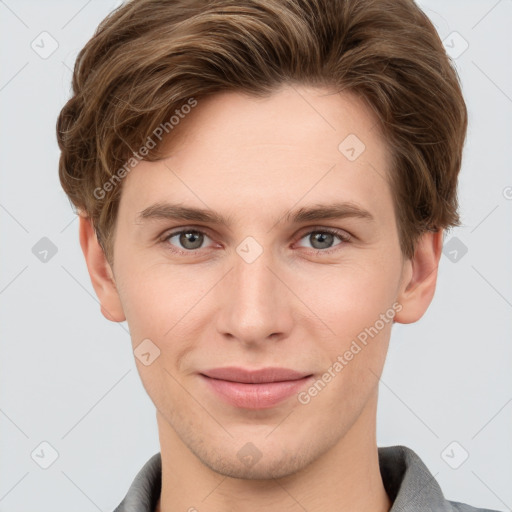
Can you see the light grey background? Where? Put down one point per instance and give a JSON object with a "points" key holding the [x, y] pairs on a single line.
{"points": [[68, 376]]}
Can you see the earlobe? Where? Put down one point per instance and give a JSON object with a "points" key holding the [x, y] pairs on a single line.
{"points": [[417, 290], [100, 272]]}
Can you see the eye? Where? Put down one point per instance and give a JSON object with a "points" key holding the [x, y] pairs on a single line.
{"points": [[322, 239], [189, 239]]}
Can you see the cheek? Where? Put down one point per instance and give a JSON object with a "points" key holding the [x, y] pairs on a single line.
{"points": [[349, 298], [158, 301], [157, 297], [354, 357]]}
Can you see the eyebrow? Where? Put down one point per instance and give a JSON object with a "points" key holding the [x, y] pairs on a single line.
{"points": [[169, 211]]}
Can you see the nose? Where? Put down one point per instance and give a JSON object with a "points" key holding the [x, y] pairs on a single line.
{"points": [[255, 305]]}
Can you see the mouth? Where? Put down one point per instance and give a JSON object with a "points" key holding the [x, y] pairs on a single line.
{"points": [[254, 389]]}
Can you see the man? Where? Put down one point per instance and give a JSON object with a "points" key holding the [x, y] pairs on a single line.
{"points": [[263, 187]]}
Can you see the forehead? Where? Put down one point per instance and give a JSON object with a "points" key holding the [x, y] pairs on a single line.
{"points": [[235, 152], [301, 119]]}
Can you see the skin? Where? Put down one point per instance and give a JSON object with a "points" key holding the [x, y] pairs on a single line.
{"points": [[254, 160]]}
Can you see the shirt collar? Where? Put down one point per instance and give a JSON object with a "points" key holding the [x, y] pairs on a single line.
{"points": [[408, 483]]}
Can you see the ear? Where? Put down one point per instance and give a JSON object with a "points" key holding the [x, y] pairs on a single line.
{"points": [[419, 278], [101, 274]]}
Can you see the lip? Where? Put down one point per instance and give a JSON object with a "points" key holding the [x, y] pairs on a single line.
{"points": [[259, 376], [254, 389]]}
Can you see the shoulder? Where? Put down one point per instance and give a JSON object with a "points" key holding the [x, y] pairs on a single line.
{"points": [[411, 486], [463, 507], [143, 494]]}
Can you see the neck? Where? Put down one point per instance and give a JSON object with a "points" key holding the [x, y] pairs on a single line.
{"points": [[345, 478]]}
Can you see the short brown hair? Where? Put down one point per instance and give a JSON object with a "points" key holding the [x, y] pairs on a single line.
{"points": [[149, 57]]}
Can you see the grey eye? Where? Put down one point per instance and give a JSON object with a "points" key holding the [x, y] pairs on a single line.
{"points": [[324, 240], [189, 240], [321, 239]]}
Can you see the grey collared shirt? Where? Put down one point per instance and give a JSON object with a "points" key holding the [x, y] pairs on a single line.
{"points": [[409, 484]]}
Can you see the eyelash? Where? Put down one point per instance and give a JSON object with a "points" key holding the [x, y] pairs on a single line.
{"points": [[343, 236]]}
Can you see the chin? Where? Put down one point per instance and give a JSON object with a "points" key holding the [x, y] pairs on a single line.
{"points": [[262, 466]]}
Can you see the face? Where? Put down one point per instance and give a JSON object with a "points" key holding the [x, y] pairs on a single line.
{"points": [[263, 283]]}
